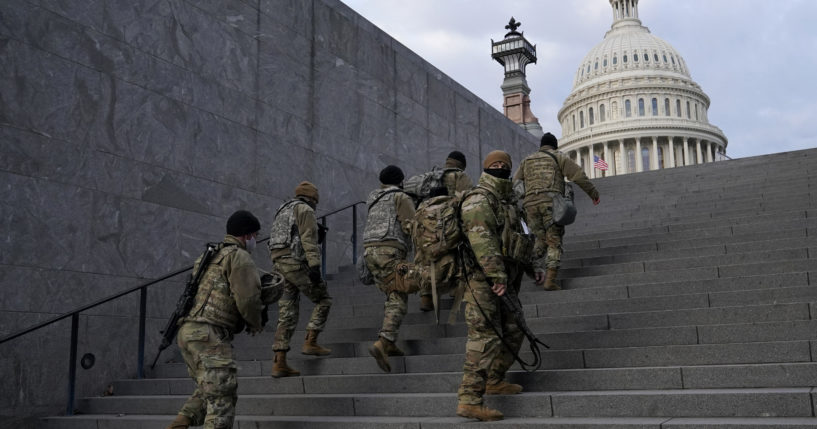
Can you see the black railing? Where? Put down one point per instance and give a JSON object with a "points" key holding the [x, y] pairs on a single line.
{"points": [[74, 315]]}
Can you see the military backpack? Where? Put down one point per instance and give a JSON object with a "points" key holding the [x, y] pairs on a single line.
{"points": [[419, 187]]}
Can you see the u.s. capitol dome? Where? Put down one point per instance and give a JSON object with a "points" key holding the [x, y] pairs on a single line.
{"points": [[635, 105]]}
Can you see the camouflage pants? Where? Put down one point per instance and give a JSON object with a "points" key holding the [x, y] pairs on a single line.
{"points": [[207, 351], [487, 359], [548, 244], [381, 261], [296, 281]]}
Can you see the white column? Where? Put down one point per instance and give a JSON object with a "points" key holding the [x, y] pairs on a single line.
{"points": [[622, 156], [708, 151], [686, 151], [639, 164], [671, 153], [700, 158], [590, 159], [579, 156], [607, 159], [654, 153]]}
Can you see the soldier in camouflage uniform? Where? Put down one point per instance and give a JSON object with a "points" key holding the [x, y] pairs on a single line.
{"points": [[385, 244], [295, 254], [543, 176], [455, 180], [490, 221], [228, 299]]}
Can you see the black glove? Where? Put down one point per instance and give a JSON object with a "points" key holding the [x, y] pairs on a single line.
{"points": [[265, 316], [315, 275]]}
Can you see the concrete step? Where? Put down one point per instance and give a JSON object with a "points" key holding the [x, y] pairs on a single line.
{"points": [[776, 402], [364, 422]]}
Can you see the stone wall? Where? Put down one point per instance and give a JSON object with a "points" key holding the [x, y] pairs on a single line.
{"points": [[130, 130]]}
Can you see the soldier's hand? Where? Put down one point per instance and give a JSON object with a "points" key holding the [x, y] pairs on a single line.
{"points": [[539, 277], [254, 331], [315, 275], [265, 316], [596, 201], [498, 288]]}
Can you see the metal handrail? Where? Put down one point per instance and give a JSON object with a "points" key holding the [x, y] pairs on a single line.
{"points": [[74, 314]]}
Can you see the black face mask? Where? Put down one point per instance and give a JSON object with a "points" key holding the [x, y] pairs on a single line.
{"points": [[501, 173]]}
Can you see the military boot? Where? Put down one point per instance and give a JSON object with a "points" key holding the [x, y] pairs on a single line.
{"points": [[550, 279], [426, 303], [281, 369], [502, 387], [391, 349], [311, 346], [181, 422], [478, 412], [379, 352]]}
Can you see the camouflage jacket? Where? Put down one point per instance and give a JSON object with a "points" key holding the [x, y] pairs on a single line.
{"points": [[294, 233], [541, 175], [483, 221], [229, 294], [456, 181]]}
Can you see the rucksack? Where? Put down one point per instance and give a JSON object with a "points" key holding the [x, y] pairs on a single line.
{"points": [[436, 228], [419, 187]]}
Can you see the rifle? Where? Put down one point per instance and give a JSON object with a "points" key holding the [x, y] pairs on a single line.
{"points": [[511, 302], [186, 301]]}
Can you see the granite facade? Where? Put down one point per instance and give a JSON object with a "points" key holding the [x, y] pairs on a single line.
{"points": [[129, 131]]}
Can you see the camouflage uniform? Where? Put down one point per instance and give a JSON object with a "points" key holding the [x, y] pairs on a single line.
{"points": [[294, 250], [229, 297], [385, 242], [540, 175], [486, 214]]}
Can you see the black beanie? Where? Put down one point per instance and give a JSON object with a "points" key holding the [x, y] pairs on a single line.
{"points": [[549, 140], [241, 223], [458, 156], [391, 175]]}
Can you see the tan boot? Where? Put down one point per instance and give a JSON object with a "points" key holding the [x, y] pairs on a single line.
{"points": [[378, 352], [426, 303], [502, 388], [550, 280], [281, 369], [311, 346], [391, 349], [478, 412], [181, 422]]}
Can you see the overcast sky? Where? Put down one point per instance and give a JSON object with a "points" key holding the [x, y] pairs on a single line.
{"points": [[756, 59]]}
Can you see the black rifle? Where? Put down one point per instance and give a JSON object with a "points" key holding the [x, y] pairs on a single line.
{"points": [[186, 301], [511, 301]]}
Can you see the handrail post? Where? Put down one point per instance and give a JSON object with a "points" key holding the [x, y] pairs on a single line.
{"points": [[354, 234], [140, 368], [323, 250], [72, 364]]}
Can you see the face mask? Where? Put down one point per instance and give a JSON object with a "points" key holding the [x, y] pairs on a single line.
{"points": [[501, 173], [250, 244]]}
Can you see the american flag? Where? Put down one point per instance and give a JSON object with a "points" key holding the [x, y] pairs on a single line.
{"points": [[600, 163]]}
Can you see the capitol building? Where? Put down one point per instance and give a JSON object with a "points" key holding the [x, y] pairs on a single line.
{"points": [[634, 104]]}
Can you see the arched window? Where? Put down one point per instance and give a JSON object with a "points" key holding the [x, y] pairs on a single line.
{"points": [[625, 59], [689, 116], [655, 57], [666, 107], [655, 107], [581, 119], [604, 64], [628, 111], [601, 113], [646, 56], [631, 161], [574, 122], [590, 116], [588, 67], [678, 108], [645, 159], [665, 57], [596, 66], [615, 60], [615, 110], [635, 57], [673, 59], [640, 107], [660, 157]]}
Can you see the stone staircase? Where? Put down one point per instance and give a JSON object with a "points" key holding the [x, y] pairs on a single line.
{"points": [[688, 303]]}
